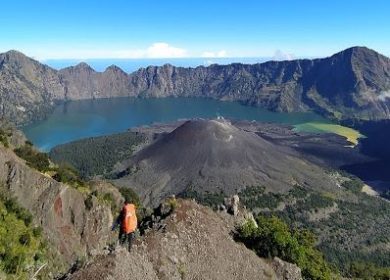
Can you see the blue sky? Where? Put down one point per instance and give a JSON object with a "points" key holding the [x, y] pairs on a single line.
{"points": [[47, 29]]}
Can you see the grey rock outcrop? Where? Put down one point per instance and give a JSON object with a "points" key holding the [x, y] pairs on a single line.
{"points": [[285, 270], [232, 204]]}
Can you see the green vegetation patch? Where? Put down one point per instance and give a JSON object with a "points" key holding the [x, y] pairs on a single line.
{"points": [[4, 135], [353, 184], [368, 271], [354, 233], [97, 155], [207, 198], [298, 192], [22, 249], [273, 238], [314, 202], [351, 134], [131, 196], [350, 234], [255, 197], [34, 158]]}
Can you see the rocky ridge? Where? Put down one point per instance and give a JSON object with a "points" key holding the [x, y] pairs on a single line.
{"points": [[194, 243], [352, 84]]}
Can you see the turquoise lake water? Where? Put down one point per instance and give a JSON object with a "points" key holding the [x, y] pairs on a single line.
{"points": [[79, 119]]}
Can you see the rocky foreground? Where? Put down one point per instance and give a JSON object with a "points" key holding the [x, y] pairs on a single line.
{"points": [[193, 242]]}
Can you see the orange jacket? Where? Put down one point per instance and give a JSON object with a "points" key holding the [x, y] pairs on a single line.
{"points": [[129, 218]]}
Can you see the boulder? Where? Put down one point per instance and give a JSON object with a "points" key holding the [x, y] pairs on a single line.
{"points": [[285, 270]]}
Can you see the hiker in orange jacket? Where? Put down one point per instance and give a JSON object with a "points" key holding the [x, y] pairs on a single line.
{"points": [[128, 224]]}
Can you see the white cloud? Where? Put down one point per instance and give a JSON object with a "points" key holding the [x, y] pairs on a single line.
{"points": [[164, 50], [208, 54], [156, 50], [280, 55], [384, 95]]}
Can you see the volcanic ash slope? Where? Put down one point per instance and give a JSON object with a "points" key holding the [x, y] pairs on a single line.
{"points": [[214, 156]]}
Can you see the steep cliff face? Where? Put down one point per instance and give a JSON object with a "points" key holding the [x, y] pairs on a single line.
{"points": [[351, 84], [354, 83], [82, 82], [28, 88], [74, 230], [270, 85]]}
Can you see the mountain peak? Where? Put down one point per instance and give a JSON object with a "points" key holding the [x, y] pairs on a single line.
{"points": [[83, 65], [14, 56], [14, 53], [359, 52], [214, 155], [114, 68]]}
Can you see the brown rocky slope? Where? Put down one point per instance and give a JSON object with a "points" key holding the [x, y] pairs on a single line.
{"points": [[194, 243], [73, 229]]}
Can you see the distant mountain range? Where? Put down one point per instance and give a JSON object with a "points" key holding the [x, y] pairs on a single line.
{"points": [[352, 84]]}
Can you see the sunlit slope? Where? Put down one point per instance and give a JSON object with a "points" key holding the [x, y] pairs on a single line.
{"points": [[351, 134]]}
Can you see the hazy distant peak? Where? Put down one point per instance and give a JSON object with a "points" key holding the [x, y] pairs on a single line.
{"points": [[114, 68], [84, 65]]}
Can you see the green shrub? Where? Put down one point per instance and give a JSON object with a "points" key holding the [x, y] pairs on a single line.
{"points": [[21, 213], [4, 137], [21, 248], [131, 196], [28, 143], [298, 192], [108, 198], [68, 175], [368, 271], [273, 238], [256, 197], [315, 201], [353, 184], [206, 198], [34, 159], [172, 202]]}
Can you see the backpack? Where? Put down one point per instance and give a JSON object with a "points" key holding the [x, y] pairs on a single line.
{"points": [[129, 218]]}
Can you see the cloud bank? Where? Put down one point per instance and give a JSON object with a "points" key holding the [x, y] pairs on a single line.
{"points": [[280, 55], [155, 50]]}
